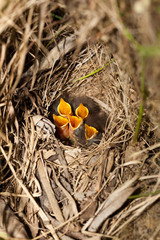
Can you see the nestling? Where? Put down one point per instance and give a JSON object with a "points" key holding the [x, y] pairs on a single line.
{"points": [[79, 120]]}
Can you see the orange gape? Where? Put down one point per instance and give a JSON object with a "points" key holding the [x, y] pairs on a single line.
{"points": [[64, 108], [62, 125], [90, 132], [82, 111], [66, 123]]}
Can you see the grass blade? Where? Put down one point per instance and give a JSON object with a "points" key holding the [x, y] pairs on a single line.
{"points": [[92, 73]]}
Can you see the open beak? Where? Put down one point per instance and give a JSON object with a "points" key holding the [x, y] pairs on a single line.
{"points": [[82, 111], [90, 132], [64, 108], [62, 125], [66, 123], [74, 123]]}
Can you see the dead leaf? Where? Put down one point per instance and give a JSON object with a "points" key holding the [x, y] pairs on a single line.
{"points": [[64, 46], [10, 223], [50, 155], [49, 192], [112, 204], [44, 126], [71, 155], [90, 210], [110, 162], [68, 211], [131, 149]]}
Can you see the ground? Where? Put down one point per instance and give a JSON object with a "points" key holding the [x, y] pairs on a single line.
{"points": [[104, 54]]}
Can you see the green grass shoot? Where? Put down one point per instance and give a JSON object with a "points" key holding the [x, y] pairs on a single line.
{"points": [[144, 195], [144, 52], [141, 109], [94, 72]]}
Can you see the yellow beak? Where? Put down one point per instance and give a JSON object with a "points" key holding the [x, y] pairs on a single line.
{"points": [[90, 132], [82, 111], [66, 123], [64, 108], [60, 121], [62, 125], [75, 122]]}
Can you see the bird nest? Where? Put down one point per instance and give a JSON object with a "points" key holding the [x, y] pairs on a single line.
{"points": [[59, 188]]}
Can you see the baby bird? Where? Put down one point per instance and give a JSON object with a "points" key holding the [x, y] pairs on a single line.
{"points": [[79, 120], [96, 117]]}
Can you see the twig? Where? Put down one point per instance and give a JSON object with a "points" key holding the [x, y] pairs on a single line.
{"points": [[37, 208]]}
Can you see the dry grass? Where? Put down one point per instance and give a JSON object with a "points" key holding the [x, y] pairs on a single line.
{"points": [[72, 192]]}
